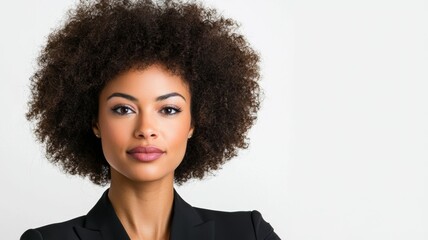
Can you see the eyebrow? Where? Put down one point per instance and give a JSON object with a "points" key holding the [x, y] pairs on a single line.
{"points": [[173, 94], [123, 95], [134, 99]]}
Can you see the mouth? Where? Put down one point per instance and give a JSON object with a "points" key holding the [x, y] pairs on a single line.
{"points": [[145, 154]]}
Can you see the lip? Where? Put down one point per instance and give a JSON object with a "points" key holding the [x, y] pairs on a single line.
{"points": [[145, 154]]}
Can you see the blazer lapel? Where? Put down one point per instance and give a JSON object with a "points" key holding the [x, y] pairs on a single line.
{"points": [[102, 223], [188, 224]]}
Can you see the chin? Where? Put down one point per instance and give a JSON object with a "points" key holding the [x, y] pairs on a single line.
{"points": [[149, 176]]}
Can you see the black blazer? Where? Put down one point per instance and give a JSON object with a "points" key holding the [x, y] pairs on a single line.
{"points": [[188, 223]]}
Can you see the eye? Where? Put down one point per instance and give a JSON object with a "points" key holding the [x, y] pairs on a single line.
{"points": [[123, 110], [170, 110]]}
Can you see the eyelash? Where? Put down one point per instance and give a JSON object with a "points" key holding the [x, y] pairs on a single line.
{"points": [[118, 109], [174, 108]]}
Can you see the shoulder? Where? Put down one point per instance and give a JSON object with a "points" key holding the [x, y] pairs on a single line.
{"points": [[62, 230], [242, 224]]}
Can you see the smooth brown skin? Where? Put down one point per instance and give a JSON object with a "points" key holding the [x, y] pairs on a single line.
{"points": [[142, 192]]}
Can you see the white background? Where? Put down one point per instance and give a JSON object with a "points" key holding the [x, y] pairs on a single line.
{"points": [[340, 147]]}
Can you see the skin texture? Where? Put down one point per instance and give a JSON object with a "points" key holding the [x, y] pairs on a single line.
{"points": [[124, 124], [142, 192]]}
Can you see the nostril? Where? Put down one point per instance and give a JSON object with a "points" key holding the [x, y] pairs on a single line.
{"points": [[145, 134]]}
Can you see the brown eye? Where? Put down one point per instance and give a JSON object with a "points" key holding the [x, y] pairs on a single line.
{"points": [[170, 110], [123, 110]]}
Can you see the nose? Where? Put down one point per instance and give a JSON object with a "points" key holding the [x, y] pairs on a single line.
{"points": [[146, 127]]}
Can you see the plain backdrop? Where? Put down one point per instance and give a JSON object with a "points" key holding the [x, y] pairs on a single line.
{"points": [[339, 150]]}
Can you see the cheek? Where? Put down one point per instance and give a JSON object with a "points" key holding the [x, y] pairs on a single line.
{"points": [[178, 134], [115, 136]]}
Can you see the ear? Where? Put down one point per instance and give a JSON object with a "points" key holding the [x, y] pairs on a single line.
{"points": [[191, 132], [96, 129]]}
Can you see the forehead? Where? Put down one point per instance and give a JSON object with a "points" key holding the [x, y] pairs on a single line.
{"points": [[146, 83]]}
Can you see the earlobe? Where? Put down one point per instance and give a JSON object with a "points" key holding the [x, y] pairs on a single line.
{"points": [[96, 129], [190, 133]]}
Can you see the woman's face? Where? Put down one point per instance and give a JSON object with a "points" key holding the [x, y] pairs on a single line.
{"points": [[144, 122]]}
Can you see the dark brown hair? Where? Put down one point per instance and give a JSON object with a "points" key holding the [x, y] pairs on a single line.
{"points": [[101, 39]]}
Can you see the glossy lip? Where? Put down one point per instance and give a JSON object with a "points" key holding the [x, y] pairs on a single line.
{"points": [[145, 154]]}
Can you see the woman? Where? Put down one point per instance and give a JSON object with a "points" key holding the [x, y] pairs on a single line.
{"points": [[139, 95]]}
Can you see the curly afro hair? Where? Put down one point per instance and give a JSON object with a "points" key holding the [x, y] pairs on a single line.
{"points": [[102, 39]]}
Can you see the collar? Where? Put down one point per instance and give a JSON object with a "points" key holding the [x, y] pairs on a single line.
{"points": [[103, 223]]}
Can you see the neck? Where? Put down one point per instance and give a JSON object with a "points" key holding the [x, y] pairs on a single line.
{"points": [[144, 209]]}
